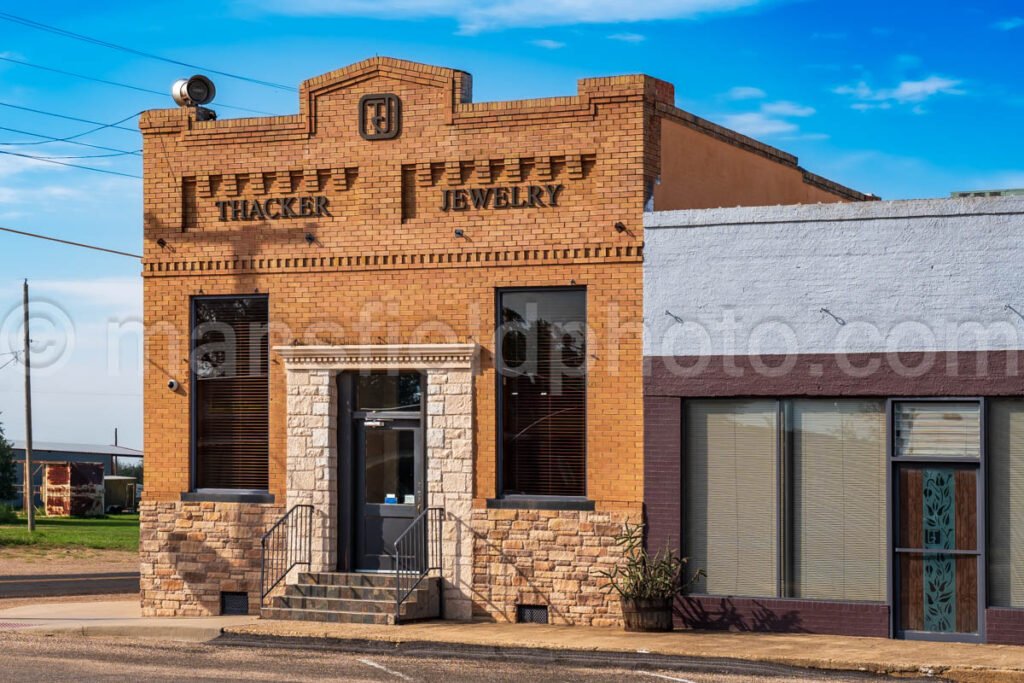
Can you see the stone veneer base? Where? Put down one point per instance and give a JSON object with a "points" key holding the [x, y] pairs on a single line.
{"points": [[550, 558], [192, 551]]}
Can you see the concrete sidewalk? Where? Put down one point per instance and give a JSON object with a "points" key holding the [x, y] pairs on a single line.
{"points": [[953, 661], [116, 618]]}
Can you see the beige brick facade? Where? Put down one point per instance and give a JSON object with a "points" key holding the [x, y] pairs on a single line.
{"points": [[387, 268]]}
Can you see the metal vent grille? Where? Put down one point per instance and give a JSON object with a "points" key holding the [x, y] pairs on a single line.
{"points": [[531, 614], [234, 603]]}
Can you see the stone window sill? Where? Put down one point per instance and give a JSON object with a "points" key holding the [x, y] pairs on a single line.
{"points": [[227, 496], [528, 503]]}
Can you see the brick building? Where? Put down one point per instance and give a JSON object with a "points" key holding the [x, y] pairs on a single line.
{"points": [[842, 452], [398, 300]]}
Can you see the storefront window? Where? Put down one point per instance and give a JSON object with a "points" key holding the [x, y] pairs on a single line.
{"points": [[836, 521], [939, 429], [786, 498], [230, 392], [1005, 501], [730, 502], [541, 364]]}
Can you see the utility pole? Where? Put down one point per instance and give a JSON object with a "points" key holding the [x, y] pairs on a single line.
{"points": [[30, 508]]}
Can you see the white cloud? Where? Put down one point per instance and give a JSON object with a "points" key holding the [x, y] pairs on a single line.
{"points": [[757, 124], [11, 165], [745, 92], [118, 295], [548, 44], [906, 92], [628, 37], [491, 15], [1008, 24], [771, 118], [784, 108]]}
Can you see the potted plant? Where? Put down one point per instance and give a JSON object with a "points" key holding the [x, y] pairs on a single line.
{"points": [[648, 585]]}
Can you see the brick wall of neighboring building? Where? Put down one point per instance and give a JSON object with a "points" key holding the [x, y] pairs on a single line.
{"points": [[783, 615], [387, 266]]}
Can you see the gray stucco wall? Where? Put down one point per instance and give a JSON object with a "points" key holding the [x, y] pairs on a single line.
{"points": [[921, 275]]}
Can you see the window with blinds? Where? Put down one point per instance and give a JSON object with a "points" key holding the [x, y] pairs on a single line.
{"points": [[542, 370], [937, 429], [1005, 461], [836, 534], [230, 349], [730, 505]]}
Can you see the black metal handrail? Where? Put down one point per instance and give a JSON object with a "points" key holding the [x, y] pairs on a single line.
{"points": [[286, 545], [417, 554]]}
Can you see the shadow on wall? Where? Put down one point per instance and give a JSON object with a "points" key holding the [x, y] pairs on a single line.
{"points": [[702, 613]]}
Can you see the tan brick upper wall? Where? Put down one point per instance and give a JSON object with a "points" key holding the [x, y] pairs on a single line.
{"points": [[386, 266]]}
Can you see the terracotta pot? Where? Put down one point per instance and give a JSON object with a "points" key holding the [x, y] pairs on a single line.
{"points": [[647, 615]]}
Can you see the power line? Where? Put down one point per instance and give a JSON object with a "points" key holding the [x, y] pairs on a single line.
{"points": [[75, 118], [10, 362], [68, 242], [51, 157], [62, 163], [115, 83], [49, 138], [113, 46]]}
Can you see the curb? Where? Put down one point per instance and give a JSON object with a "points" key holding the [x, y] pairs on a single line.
{"points": [[194, 634]]}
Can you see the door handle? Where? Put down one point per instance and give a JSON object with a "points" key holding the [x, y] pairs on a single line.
{"points": [[373, 423]]}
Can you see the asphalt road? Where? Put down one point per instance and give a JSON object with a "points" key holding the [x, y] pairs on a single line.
{"points": [[40, 585], [25, 657]]}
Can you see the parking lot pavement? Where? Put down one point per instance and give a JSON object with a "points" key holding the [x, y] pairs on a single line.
{"points": [[25, 657], [41, 585]]}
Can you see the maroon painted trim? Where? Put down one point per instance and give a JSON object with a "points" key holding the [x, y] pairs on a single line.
{"points": [[663, 485], [1004, 626], [965, 373], [783, 615]]}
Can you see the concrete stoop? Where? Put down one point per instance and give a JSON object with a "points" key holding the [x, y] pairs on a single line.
{"points": [[348, 598]]}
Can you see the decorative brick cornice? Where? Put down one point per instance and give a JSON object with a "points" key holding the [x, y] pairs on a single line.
{"points": [[496, 258], [380, 357]]}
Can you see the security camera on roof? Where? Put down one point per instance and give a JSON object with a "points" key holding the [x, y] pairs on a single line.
{"points": [[193, 92]]}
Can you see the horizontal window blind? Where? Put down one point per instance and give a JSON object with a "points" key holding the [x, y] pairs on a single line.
{"points": [[231, 392], [937, 429], [837, 497], [542, 369], [1006, 503], [730, 502]]}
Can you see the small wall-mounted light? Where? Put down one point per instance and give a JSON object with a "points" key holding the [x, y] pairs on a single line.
{"points": [[162, 243], [459, 232], [310, 239], [620, 226], [572, 282]]}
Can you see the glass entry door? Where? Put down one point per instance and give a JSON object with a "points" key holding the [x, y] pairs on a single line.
{"points": [[388, 454], [937, 527], [388, 464]]}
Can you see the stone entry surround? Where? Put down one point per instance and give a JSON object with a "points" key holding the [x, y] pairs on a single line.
{"points": [[312, 423]]}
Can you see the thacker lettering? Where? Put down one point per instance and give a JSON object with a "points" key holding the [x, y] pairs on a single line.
{"points": [[273, 208]]}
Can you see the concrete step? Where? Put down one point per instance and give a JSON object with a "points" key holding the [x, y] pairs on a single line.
{"points": [[353, 598], [340, 605], [347, 579], [312, 590], [327, 616]]}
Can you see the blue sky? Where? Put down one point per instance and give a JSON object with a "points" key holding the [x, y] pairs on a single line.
{"points": [[903, 99]]}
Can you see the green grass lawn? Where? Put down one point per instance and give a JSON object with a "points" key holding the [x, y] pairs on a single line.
{"points": [[117, 532]]}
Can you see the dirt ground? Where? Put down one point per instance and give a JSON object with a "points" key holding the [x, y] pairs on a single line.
{"points": [[17, 560]]}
